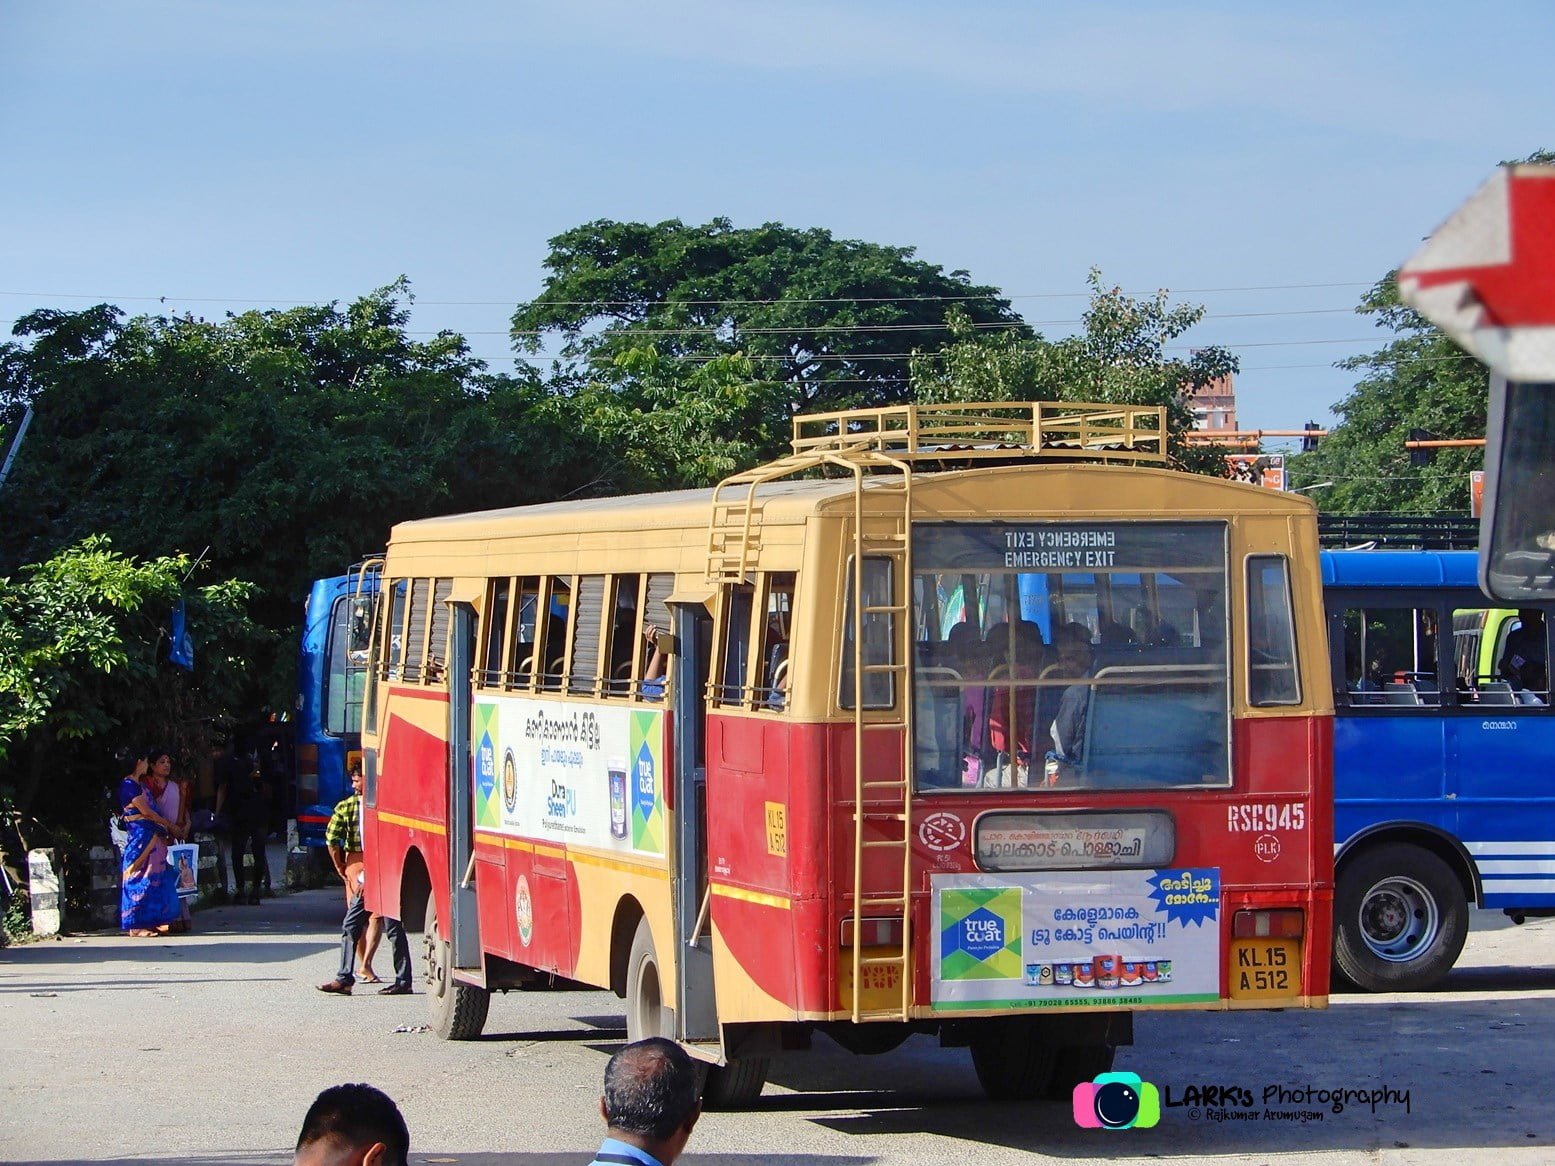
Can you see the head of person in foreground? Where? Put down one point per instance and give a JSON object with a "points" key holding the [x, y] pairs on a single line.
{"points": [[352, 1125], [652, 1097]]}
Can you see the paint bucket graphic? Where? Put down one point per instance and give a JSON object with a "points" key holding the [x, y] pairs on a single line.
{"points": [[617, 771], [1106, 971], [1063, 975], [1131, 975]]}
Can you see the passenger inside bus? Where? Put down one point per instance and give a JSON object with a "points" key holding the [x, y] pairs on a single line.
{"points": [[967, 656], [654, 667], [775, 662], [1067, 728], [1020, 650], [1523, 660]]}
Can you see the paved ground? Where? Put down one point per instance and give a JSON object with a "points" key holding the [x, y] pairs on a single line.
{"points": [[208, 1048]]}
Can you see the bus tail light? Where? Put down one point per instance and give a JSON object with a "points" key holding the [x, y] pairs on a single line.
{"points": [[1283, 924], [876, 932]]}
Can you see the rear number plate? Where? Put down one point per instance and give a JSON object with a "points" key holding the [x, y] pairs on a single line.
{"points": [[1265, 969]]}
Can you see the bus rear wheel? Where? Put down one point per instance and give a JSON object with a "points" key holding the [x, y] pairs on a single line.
{"points": [[1075, 1064], [646, 1014], [1401, 917], [1013, 1060], [736, 1084], [726, 1086], [458, 1009]]}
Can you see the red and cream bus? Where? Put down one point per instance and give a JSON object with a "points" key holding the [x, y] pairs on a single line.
{"points": [[974, 720]]}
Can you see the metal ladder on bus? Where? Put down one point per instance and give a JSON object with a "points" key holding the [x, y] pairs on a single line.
{"points": [[882, 805]]}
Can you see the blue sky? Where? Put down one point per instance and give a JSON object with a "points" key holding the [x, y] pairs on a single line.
{"points": [[230, 155]]}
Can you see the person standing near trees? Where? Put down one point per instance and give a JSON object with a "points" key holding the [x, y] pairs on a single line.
{"points": [[148, 889], [241, 798], [172, 802]]}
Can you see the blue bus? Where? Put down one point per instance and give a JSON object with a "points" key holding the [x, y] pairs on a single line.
{"points": [[1443, 741], [331, 678]]}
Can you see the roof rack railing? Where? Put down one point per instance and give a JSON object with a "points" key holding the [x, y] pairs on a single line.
{"points": [[1437, 532], [989, 430]]}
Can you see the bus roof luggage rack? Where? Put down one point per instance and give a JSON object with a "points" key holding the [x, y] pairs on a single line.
{"points": [[990, 430], [892, 439], [1437, 532]]}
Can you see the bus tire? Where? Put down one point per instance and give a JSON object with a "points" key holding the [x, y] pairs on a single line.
{"points": [[1075, 1064], [1400, 919], [736, 1084], [646, 1014], [1013, 1060], [458, 1010]]}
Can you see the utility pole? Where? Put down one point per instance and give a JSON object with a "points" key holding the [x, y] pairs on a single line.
{"points": [[16, 444]]}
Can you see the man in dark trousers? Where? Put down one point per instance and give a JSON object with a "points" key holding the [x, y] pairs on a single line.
{"points": [[343, 839], [650, 1105], [353, 1125], [240, 798]]}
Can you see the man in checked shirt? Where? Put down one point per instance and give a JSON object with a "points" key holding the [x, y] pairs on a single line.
{"points": [[343, 838]]}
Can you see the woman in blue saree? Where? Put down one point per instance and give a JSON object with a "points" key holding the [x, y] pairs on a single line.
{"points": [[148, 898]]}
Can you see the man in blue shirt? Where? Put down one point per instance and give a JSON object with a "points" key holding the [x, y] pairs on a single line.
{"points": [[651, 1102]]}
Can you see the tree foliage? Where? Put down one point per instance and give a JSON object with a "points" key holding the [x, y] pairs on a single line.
{"points": [[659, 425], [1122, 356], [829, 320], [1420, 379], [285, 442]]}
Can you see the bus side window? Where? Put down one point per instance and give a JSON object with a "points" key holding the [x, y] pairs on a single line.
{"points": [[556, 616], [878, 644], [393, 651], [624, 634], [583, 677], [656, 618], [498, 595], [416, 629], [1390, 656], [775, 631], [439, 625], [524, 637], [732, 682]]}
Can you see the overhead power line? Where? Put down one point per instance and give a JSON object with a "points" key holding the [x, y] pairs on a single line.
{"points": [[1048, 295]]}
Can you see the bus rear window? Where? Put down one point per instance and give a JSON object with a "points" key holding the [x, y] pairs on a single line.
{"points": [[1057, 655]]}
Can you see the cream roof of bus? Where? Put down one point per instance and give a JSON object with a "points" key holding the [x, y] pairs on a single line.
{"points": [[793, 501]]}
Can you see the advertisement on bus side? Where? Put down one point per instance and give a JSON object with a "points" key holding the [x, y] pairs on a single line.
{"points": [[1072, 939], [570, 773]]}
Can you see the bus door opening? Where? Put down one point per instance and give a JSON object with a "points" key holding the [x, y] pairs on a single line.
{"points": [[695, 1006]]}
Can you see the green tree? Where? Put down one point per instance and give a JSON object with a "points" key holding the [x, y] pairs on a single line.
{"points": [[1418, 380], [1122, 356], [658, 425], [83, 640], [286, 442], [830, 320]]}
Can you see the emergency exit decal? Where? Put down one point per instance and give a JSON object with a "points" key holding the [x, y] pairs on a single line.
{"points": [[1076, 939]]}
